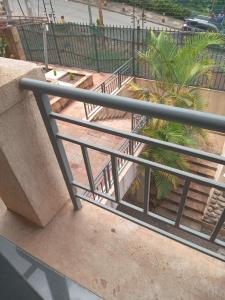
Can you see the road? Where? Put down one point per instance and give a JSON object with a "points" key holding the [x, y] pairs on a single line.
{"points": [[77, 12]]}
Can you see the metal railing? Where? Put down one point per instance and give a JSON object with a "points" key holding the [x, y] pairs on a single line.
{"points": [[104, 180], [193, 118], [111, 85], [106, 48]]}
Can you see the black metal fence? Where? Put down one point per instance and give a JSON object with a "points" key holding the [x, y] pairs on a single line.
{"points": [[82, 46], [104, 49]]}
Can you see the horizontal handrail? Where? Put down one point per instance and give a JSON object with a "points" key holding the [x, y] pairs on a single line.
{"points": [[142, 139], [186, 116], [110, 176], [145, 163]]}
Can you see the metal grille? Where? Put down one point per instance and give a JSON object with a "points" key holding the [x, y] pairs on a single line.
{"points": [[104, 49], [110, 86], [142, 216]]}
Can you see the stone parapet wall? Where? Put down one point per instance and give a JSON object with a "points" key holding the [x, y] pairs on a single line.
{"points": [[31, 182], [215, 207]]}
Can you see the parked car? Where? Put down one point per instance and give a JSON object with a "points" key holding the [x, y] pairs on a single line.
{"points": [[198, 24]]}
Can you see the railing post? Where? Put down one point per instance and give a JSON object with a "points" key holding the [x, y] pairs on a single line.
{"points": [[96, 47], [86, 111], [119, 80], [138, 48], [52, 129], [103, 87], [56, 44], [45, 44], [133, 52], [105, 181], [131, 147], [132, 122]]}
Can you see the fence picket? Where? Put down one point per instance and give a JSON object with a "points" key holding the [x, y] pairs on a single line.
{"points": [[104, 49]]}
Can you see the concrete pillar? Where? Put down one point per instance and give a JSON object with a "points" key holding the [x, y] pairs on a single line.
{"points": [[31, 183]]}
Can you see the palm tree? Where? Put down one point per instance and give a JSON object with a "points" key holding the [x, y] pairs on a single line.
{"points": [[175, 70]]}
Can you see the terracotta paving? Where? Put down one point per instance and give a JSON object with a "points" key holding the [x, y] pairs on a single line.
{"points": [[98, 160]]}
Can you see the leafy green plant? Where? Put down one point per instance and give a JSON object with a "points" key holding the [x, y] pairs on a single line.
{"points": [[98, 22], [71, 76], [3, 47], [173, 133], [175, 69]]}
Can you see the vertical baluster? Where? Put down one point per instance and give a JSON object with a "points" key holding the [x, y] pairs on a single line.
{"points": [[105, 181], [115, 177], [88, 168], [182, 202], [109, 177], [147, 189]]}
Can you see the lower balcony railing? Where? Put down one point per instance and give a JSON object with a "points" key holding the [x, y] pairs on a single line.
{"points": [[111, 85], [199, 119], [103, 182]]}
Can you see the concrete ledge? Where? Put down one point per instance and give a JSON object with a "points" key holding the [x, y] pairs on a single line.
{"points": [[116, 258], [11, 71], [29, 171]]}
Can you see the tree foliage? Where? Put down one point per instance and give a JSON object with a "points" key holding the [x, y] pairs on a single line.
{"points": [[169, 7], [175, 69], [3, 46]]}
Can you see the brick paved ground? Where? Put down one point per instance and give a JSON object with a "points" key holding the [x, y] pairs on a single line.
{"points": [[98, 160]]}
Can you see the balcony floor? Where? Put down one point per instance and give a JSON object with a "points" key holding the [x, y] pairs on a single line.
{"points": [[116, 258]]}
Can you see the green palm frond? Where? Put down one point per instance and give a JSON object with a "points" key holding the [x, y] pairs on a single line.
{"points": [[189, 99], [3, 46], [161, 52], [164, 183], [195, 44], [175, 70], [180, 65], [139, 92]]}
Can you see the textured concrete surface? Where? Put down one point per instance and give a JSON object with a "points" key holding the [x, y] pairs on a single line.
{"points": [[116, 258]]}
